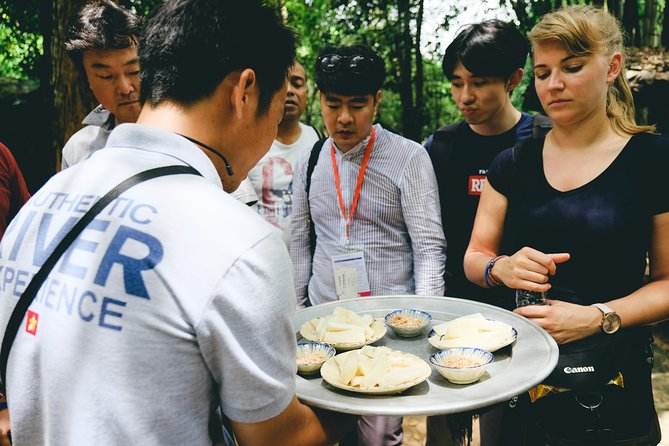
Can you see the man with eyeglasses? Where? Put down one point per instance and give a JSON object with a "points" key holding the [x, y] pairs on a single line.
{"points": [[373, 203]]}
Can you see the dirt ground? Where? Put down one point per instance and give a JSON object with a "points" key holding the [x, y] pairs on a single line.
{"points": [[415, 429]]}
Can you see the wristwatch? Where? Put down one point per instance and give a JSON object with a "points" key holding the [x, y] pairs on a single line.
{"points": [[610, 319]]}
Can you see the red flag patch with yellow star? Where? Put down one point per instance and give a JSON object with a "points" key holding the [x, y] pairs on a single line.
{"points": [[31, 323]]}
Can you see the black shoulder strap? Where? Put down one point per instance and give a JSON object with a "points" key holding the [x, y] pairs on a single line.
{"points": [[311, 165], [313, 159], [450, 128], [445, 134], [318, 132], [443, 143], [518, 148], [33, 287], [541, 125]]}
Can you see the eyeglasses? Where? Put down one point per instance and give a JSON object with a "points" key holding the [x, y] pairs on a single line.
{"points": [[357, 64]]}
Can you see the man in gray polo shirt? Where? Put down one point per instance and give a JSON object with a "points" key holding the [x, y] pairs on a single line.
{"points": [[176, 299]]}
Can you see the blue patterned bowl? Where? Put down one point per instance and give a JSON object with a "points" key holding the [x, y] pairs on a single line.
{"points": [[407, 322], [311, 356], [453, 364]]}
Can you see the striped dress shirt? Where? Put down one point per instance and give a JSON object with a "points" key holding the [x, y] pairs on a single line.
{"points": [[397, 220]]}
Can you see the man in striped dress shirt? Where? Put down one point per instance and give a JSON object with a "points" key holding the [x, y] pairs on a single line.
{"points": [[373, 202]]}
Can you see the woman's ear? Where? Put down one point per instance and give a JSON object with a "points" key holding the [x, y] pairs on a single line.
{"points": [[615, 65]]}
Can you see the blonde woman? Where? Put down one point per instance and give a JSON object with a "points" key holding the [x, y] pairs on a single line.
{"points": [[574, 215]]}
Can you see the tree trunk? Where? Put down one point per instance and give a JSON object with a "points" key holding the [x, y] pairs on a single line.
{"points": [[615, 8], [649, 20], [665, 27], [72, 99], [420, 99], [405, 86], [631, 22], [281, 10]]}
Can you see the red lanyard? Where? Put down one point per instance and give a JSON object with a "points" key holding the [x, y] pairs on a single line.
{"points": [[361, 176]]}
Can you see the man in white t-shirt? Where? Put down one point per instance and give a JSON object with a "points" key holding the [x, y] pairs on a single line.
{"points": [[272, 177]]}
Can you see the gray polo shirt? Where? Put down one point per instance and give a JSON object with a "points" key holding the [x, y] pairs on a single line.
{"points": [[176, 299]]}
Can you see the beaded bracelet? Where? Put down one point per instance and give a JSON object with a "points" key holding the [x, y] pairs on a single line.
{"points": [[487, 275]]}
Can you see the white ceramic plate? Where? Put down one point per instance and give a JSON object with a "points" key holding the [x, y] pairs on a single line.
{"points": [[308, 331], [330, 374], [490, 345]]}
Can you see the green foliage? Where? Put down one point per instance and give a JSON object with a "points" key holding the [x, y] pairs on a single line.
{"points": [[376, 23], [528, 12], [21, 40], [22, 15], [440, 109], [388, 26], [21, 43], [139, 7], [21, 53]]}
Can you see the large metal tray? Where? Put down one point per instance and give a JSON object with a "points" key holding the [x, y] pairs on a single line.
{"points": [[517, 368]]}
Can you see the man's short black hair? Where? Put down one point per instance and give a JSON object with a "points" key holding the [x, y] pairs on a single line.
{"points": [[100, 25], [365, 79], [189, 46], [492, 48]]}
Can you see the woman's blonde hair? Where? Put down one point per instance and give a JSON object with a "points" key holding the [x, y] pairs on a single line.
{"points": [[585, 30]]}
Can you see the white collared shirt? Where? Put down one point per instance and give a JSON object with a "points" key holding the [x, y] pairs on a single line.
{"points": [[397, 220], [99, 123]]}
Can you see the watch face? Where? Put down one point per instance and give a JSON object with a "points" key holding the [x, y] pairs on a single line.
{"points": [[611, 323]]}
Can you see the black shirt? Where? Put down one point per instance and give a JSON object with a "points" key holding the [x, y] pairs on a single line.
{"points": [[460, 185], [606, 224]]}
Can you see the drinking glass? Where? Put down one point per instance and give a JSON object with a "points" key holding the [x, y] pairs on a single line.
{"points": [[527, 297]]}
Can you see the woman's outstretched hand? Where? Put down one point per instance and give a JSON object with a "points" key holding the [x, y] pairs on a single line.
{"points": [[528, 269]]}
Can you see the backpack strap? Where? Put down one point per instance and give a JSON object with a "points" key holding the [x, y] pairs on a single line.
{"points": [[38, 279], [318, 132], [541, 125], [520, 148], [448, 129], [442, 141], [441, 147], [313, 159]]}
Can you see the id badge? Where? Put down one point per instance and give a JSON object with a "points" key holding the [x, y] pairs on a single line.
{"points": [[350, 275]]}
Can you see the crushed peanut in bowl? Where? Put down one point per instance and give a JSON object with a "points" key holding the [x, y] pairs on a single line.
{"points": [[408, 322], [312, 358], [460, 362], [462, 365], [405, 321]]}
